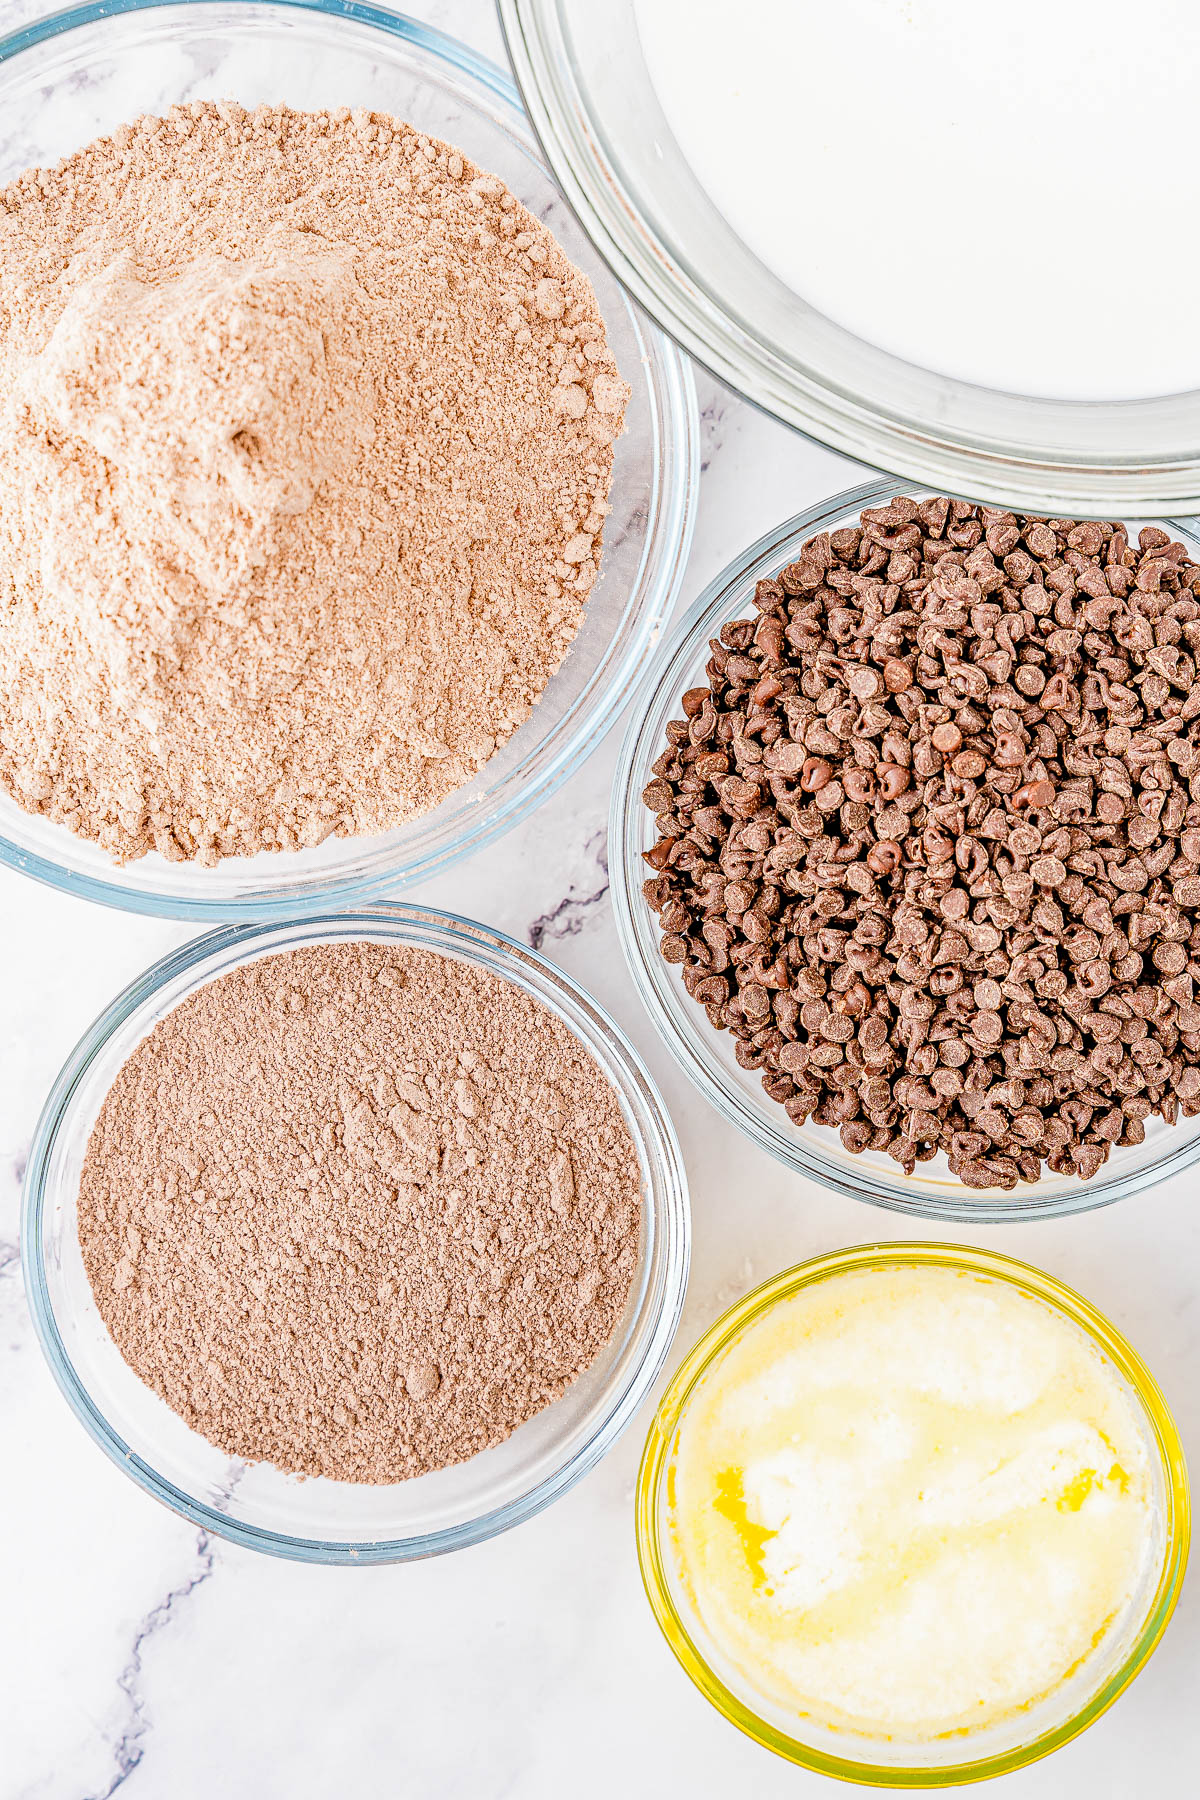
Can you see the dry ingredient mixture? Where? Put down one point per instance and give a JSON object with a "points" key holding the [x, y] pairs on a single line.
{"points": [[306, 432], [911, 1502], [359, 1211], [929, 838]]}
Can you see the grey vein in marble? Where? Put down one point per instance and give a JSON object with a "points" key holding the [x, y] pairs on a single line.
{"points": [[568, 918], [12, 1174], [130, 1747], [713, 409]]}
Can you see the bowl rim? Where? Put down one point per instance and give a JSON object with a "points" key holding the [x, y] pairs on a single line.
{"points": [[728, 344], [656, 981], [665, 1191], [1028, 1279], [655, 584]]}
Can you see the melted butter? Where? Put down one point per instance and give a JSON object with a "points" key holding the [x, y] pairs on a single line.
{"points": [[730, 1502], [912, 1503]]}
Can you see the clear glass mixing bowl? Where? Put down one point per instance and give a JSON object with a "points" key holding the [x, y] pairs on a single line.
{"points": [[707, 1055], [319, 1520], [71, 77], [583, 75], [944, 1762]]}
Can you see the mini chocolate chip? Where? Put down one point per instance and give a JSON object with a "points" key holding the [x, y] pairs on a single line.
{"points": [[1058, 695], [855, 1001], [969, 765], [977, 935], [893, 781], [1009, 751], [858, 783], [884, 858], [865, 683]]}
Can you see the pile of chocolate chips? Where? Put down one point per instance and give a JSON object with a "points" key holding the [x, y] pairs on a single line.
{"points": [[929, 840]]}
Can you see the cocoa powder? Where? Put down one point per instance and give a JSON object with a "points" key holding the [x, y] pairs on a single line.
{"points": [[359, 1211], [306, 433]]}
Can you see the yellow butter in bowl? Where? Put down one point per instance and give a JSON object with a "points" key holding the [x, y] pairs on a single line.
{"points": [[909, 1508]]}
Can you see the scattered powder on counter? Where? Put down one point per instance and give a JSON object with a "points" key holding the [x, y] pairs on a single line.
{"points": [[306, 433], [359, 1211]]}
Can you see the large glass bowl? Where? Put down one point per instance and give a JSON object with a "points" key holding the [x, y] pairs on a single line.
{"points": [[707, 1055], [583, 74], [318, 1520], [945, 1762], [68, 78]]}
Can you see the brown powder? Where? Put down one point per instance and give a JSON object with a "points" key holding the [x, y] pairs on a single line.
{"points": [[359, 1211], [306, 436]]}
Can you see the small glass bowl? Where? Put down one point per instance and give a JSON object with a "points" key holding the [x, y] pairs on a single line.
{"points": [[317, 1520], [706, 1055], [583, 75], [1085, 1695], [75, 75]]}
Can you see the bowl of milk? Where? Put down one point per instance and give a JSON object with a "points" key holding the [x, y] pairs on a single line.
{"points": [[951, 242]]}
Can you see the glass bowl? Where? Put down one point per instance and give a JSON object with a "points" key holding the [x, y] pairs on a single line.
{"points": [[68, 78], [1085, 1695], [707, 1055], [584, 78], [318, 1520]]}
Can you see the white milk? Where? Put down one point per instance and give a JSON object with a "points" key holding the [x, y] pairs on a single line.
{"points": [[1003, 192]]}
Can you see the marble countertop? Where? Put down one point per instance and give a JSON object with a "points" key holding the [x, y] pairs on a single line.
{"points": [[139, 1656]]}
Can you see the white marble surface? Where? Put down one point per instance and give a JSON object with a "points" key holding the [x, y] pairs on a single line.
{"points": [[138, 1656]]}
